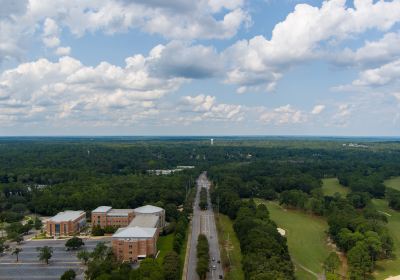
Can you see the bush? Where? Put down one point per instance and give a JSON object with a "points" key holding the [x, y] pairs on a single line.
{"points": [[68, 275], [97, 231], [110, 229], [74, 243]]}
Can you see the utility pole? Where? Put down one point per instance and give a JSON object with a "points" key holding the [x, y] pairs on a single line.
{"points": [[218, 206]]}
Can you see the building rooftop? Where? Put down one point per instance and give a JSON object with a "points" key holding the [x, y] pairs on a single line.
{"points": [[102, 209], [119, 212], [148, 209], [146, 221], [135, 232], [67, 216]]}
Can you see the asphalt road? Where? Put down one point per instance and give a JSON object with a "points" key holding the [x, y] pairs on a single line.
{"points": [[204, 222], [29, 266]]}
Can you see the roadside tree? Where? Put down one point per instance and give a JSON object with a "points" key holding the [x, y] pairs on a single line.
{"points": [[45, 253]]}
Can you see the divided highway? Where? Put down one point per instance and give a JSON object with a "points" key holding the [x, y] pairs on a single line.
{"points": [[203, 222]]}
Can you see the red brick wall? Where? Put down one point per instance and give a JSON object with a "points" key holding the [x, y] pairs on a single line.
{"points": [[129, 250]]}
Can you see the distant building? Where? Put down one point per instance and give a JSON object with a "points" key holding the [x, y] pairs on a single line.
{"points": [[132, 243], [107, 216], [212, 141], [179, 168], [66, 223], [150, 210]]}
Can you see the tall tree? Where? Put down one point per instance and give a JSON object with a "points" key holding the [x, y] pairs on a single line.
{"points": [[45, 253], [16, 252]]}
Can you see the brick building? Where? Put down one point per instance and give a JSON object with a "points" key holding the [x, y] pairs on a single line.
{"points": [[132, 243], [66, 223], [106, 216]]}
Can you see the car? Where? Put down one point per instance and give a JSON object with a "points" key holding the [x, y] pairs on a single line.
{"points": [[213, 259], [219, 261], [220, 277], [214, 267]]}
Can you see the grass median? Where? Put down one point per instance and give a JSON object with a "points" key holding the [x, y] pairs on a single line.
{"points": [[230, 248]]}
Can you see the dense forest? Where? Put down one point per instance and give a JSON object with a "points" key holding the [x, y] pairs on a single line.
{"points": [[293, 177], [46, 176]]}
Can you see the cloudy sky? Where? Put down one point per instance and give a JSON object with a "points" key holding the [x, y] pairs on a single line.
{"points": [[199, 67]]}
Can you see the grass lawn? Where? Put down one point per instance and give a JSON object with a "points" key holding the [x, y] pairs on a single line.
{"points": [[331, 186], [306, 236], [388, 268], [227, 237], [393, 183], [164, 245]]}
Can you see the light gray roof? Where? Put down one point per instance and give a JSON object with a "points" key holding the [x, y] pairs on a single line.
{"points": [[67, 216], [134, 232], [146, 221], [148, 209], [119, 212], [102, 209]]}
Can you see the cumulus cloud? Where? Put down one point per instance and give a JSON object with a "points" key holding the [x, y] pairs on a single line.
{"points": [[318, 109], [186, 20], [67, 90], [373, 52], [283, 115], [188, 61], [63, 51], [380, 76], [258, 63], [205, 107]]}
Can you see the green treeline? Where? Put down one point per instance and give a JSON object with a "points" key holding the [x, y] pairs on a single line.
{"points": [[293, 177], [203, 199], [265, 253], [203, 256]]}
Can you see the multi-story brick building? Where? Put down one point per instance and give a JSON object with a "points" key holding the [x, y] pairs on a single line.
{"points": [[106, 216], [138, 230], [132, 243], [66, 223]]}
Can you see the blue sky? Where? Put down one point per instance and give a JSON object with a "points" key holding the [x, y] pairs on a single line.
{"points": [[200, 67]]}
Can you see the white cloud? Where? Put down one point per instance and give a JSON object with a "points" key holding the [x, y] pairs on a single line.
{"points": [[283, 115], [397, 96], [318, 109], [188, 61], [373, 52], [63, 51], [380, 76], [51, 33], [67, 90], [190, 19], [258, 63], [205, 107], [218, 5]]}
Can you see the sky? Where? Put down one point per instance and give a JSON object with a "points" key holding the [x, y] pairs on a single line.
{"points": [[199, 67]]}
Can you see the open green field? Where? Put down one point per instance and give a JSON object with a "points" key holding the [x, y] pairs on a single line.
{"points": [[227, 237], [307, 240], [164, 245], [393, 183], [388, 268], [330, 186]]}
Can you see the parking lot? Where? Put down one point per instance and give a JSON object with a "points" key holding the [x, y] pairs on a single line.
{"points": [[29, 266]]}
